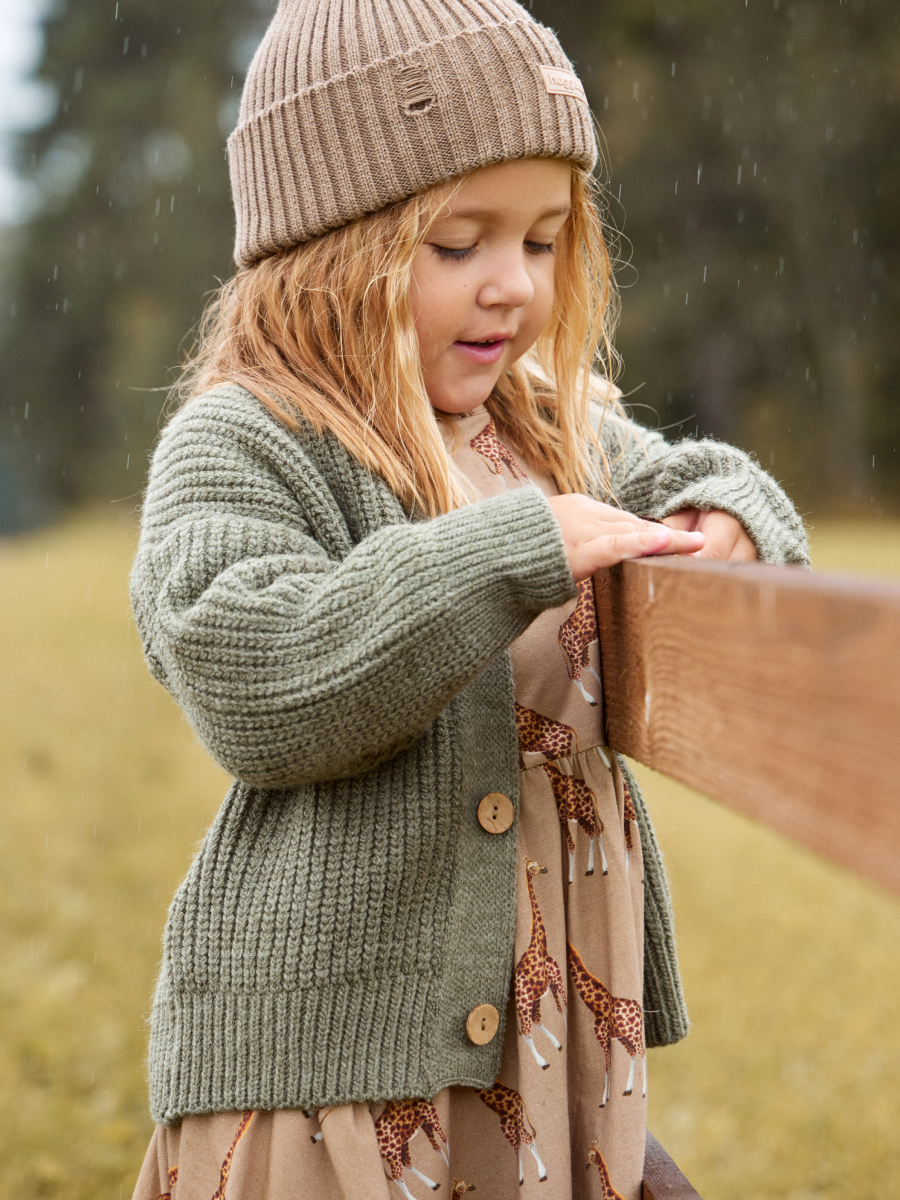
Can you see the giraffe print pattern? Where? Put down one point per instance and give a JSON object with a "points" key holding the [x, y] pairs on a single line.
{"points": [[629, 816], [219, 1193], [173, 1179], [398, 1124], [596, 1159], [537, 974], [517, 1128], [615, 1019], [489, 447], [459, 1187], [542, 735], [576, 802], [577, 634]]}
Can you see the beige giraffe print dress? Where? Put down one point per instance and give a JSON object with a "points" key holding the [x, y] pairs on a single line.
{"points": [[567, 1115]]}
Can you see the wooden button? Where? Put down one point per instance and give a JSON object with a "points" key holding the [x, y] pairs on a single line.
{"points": [[496, 812], [482, 1023]]}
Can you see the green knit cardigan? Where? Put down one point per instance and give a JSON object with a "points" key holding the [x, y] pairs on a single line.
{"points": [[349, 666]]}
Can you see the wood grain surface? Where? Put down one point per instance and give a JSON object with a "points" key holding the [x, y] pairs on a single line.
{"points": [[772, 689], [662, 1179]]}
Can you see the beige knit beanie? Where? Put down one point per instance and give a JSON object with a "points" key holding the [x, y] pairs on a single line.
{"points": [[350, 105]]}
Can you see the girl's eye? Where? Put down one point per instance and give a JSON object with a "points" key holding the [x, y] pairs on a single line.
{"points": [[539, 247], [452, 254]]}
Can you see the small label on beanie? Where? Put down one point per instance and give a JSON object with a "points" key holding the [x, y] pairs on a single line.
{"points": [[563, 83]]}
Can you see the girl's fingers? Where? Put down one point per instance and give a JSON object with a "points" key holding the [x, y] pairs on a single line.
{"points": [[685, 518], [609, 549], [687, 542], [726, 538], [744, 549], [598, 535]]}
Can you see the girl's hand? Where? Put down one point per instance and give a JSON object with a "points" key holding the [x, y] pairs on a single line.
{"points": [[597, 535], [726, 538]]}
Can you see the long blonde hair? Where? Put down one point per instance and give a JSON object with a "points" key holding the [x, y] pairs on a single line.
{"points": [[324, 332]]}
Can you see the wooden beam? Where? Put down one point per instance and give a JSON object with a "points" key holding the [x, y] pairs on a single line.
{"points": [[772, 689], [662, 1179]]}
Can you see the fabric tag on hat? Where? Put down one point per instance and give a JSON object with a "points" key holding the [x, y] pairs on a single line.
{"points": [[563, 83]]}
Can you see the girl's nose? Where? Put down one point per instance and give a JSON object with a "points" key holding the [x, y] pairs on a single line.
{"points": [[510, 285]]}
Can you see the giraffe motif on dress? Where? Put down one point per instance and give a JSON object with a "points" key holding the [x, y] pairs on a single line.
{"points": [[595, 1159], [629, 817], [615, 1019], [219, 1193], [514, 1122], [489, 447], [459, 1187], [541, 735], [577, 634], [537, 974], [576, 802], [395, 1129], [173, 1179]]}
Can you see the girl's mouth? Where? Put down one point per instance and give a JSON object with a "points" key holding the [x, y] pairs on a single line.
{"points": [[485, 352]]}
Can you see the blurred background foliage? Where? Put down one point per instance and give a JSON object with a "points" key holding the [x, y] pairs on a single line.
{"points": [[753, 149]]}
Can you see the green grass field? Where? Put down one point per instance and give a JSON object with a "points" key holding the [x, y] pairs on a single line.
{"points": [[788, 1088]]}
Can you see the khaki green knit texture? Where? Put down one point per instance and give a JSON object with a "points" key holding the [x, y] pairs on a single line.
{"points": [[349, 667]]}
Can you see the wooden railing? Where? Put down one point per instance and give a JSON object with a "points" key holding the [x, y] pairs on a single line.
{"points": [[772, 689]]}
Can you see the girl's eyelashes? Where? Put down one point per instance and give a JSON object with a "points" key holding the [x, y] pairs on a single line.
{"points": [[452, 254]]}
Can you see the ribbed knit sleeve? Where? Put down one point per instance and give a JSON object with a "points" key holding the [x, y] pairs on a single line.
{"points": [[655, 479], [301, 647]]}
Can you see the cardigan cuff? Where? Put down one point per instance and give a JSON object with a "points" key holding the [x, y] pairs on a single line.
{"points": [[708, 475]]}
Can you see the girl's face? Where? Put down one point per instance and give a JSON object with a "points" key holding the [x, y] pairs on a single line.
{"points": [[483, 282]]}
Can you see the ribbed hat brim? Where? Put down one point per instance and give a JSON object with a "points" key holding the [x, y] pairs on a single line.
{"points": [[355, 143]]}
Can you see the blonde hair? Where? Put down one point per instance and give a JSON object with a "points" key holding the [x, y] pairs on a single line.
{"points": [[324, 332]]}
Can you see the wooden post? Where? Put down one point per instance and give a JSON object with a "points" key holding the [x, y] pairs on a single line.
{"points": [[772, 689], [662, 1179]]}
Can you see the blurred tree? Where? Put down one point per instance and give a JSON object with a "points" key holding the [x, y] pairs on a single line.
{"points": [[754, 146], [133, 226]]}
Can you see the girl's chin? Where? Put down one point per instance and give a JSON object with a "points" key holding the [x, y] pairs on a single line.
{"points": [[462, 395], [459, 402]]}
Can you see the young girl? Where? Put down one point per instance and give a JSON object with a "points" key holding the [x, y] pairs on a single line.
{"points": [[427, 939]]}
